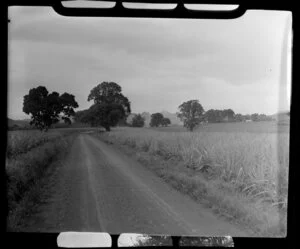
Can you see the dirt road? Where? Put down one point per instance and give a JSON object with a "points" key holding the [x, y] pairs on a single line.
{"points": [[99, 188]]}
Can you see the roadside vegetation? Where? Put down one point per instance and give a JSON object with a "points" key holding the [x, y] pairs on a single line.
{"points": [[235, 164], [242, 176], [248, 127], [20, 142], [31, 155]]}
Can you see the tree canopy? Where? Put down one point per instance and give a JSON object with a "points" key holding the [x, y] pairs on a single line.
{"points": [[110, 106], [45, 109], [216, 116], [228, 115], [156, 119], [165, 121], [191, 114], [109, 93], [138, 121]]}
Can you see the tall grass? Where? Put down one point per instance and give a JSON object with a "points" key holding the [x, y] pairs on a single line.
{"points": [[253, 166], [30, 153], [19, 142]]}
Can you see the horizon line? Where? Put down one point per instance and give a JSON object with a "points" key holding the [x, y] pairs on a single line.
{"points": [[279, 112]]}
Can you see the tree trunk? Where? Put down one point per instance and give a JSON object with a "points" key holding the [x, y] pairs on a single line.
{"points": [[107, 128]]}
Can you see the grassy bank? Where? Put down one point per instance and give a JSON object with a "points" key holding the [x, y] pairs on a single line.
{"points": [[22, 141], [241, 176], [32, 156]]}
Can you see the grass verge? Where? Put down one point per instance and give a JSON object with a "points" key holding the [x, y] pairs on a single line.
{"points": [[247, 187], [26, 174]]}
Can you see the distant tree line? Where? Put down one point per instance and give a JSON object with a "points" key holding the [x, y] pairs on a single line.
{"points": [[217, 116], [253, 117], [192, 114], [157, 119], [110, 108], [228, 115]]}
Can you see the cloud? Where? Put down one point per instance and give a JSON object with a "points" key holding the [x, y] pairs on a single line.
{"points": [[154, 39], [158, 62]]}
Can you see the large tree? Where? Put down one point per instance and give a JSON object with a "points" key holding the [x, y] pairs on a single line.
{"points": [[191, 113], [110, 105], [156, 119], [45, 109], [165, 122]]}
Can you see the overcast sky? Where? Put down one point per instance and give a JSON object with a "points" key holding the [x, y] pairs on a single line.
{"points": [[159, 63]]}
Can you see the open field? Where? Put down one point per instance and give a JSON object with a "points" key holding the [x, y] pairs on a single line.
{"points": [[241, 174], [253, 127]]}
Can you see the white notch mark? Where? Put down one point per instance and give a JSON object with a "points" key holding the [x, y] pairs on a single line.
{"points": [[289, 61], [83, 239], [215, 7], [149, 5], [88, 4]]}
